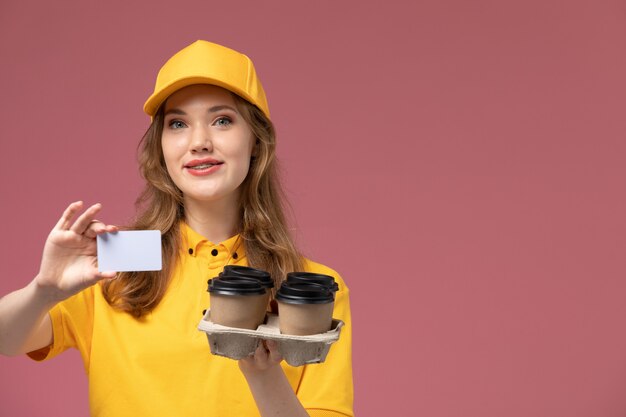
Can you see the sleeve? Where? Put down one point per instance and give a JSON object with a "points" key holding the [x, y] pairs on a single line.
{"points": [[72, 324], [326, 389]]}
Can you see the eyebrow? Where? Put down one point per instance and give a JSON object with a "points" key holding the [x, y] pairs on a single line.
{"points": [[211, 110]]}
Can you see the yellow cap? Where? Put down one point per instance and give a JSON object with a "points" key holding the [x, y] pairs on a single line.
{"points": [[204, 62]]}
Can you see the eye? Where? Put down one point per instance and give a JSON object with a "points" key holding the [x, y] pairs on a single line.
{"points": [[223, 121], [176, 124]]}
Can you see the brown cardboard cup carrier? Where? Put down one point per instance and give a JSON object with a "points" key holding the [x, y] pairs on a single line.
{"points": [[235, 343]]}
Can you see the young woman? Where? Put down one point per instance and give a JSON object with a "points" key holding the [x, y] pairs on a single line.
{"points": [[208, 158]]}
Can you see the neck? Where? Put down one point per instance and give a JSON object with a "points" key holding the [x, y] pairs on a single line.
{"points": [[215, 220]]}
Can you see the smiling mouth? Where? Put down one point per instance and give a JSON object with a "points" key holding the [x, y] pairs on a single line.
{"points": [[199, 166], [204, 166]]}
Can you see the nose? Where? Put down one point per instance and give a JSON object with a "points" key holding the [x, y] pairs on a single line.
{"points": [[201, 140]]}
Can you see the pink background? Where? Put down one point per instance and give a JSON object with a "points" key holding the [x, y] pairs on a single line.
{"points": [[461, 163]]}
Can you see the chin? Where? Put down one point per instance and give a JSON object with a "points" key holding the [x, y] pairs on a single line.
{"points": [[212, 197]]}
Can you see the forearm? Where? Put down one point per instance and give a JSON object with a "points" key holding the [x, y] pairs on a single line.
{"points": [[68, 265], [273, 394], [24, 325]]}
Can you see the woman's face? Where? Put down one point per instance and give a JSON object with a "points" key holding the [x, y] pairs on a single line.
{"points": [[206, 143]]}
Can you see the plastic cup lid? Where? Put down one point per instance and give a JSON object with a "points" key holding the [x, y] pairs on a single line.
{"points": [[312, 277], [298, 293], [248, 272], [235, 286]]}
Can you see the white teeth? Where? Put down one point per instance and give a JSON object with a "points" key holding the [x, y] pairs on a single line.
{"points": [[203, 166]]}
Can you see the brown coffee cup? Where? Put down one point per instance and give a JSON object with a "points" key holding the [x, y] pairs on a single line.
{"points": [[237, 302], [304, 309]]}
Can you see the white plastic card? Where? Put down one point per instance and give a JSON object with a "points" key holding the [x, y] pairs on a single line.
{"points": [[136, 250]]}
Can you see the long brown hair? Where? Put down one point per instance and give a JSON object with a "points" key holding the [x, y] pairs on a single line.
{"points": [[262, 227]]}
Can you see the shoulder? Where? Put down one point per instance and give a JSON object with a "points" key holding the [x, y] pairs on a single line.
{"points": [[312, 266]]}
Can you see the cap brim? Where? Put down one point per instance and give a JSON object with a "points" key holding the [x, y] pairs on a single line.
{"points": [[153, 103]]}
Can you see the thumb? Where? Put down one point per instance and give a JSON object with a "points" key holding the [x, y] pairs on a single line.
{"points": [[98, 276], [274, 351], [107, 274]]}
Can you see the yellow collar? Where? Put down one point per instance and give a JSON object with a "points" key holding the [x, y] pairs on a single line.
{"points": [[195, 244]]}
